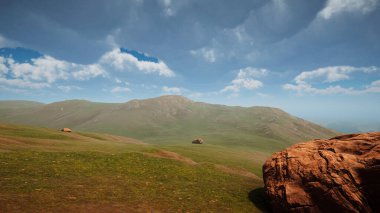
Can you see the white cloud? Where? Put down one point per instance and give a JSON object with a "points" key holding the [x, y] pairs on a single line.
{"points": [[122, 61], [373, 88], [330, 75], [335, 7], [24, 83], [252, 72], [86, 72], [241, 34], [247, 83], [208, 54], [45, 68], [376, 83], [172, 90], [167, 7], [245, 79], [43, 71], [120, 89], [307, 88]]}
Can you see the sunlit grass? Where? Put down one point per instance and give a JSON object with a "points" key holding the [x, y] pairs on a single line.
{"points": [[102, 173]]}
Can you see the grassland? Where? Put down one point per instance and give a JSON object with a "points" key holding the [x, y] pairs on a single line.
{"points": [[44, 170], [170, 120]]}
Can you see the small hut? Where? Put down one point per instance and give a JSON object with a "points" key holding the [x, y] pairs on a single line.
{"points": [[66, 130], [197, 141]]}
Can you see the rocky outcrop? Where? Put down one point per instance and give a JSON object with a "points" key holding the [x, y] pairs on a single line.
{"points": [[341, 174], [197, 141]]}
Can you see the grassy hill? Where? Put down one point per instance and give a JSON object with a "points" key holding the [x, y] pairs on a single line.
{"points": [[172, 120], [45, 170], [160, 170]]}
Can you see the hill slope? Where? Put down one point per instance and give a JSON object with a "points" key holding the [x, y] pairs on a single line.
{"points": [[45, 170], [171, 120]]}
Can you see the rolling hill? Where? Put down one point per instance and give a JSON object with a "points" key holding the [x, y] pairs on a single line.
{"points": [[170, 120], [141, 157], [45, 170]]}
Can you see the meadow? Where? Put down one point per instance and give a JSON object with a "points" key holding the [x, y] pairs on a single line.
{"points": [[44, 170]]}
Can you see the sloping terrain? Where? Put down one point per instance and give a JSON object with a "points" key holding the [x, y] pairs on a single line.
{"points": [[172, 120], [161, 170], [45, 170]]}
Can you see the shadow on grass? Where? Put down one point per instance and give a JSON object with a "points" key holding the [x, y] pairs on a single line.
{"points": [[258, 198]]}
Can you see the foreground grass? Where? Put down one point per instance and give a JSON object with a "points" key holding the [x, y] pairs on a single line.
{"points": [[54, 181], [43, 170]]}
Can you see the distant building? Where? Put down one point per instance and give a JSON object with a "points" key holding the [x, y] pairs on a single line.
{"points": [[197, 141], [66, 130]]}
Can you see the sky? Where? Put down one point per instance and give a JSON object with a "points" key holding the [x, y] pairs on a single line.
{"points": [[315, 59]]}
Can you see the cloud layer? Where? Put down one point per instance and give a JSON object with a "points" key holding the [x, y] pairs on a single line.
{"points": [[303, 81], [124, 61], [43, 72], [335, 7], [246, 79]]}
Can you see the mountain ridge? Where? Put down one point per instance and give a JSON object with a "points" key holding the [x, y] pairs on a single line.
{"points": [[170, 119]]}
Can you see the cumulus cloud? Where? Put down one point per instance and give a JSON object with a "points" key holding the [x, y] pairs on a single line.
{"points": [[252, 72], [246, 79], [120, 89], [43, 71], [329, 75], [335, 7], [172, 90], [86, 72], [208, 54], [333, 73], [21, 83], [45, 68], [40, 73], [123, 61]]}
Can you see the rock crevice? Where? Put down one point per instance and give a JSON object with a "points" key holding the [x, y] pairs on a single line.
{"points": [[341, 174]]}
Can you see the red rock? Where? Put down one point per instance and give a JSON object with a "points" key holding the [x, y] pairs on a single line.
{"points": [[341, 174]]}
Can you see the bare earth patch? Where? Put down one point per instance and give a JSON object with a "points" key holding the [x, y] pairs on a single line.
{"points": [[171, 155]]}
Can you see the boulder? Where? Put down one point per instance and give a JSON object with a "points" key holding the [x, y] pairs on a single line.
{"points": [[197, 141], [66, 130], [341, 174]]}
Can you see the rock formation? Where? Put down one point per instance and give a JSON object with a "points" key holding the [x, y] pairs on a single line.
{"points": [[197, 141], [341, 174]]}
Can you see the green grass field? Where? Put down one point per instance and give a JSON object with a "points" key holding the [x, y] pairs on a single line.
{"points": [[44, 170]]}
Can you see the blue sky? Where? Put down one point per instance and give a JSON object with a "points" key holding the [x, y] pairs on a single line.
{"points": [[315, 59]]}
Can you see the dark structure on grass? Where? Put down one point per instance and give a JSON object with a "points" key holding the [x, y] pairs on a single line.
{"points": [[197, 141]]}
